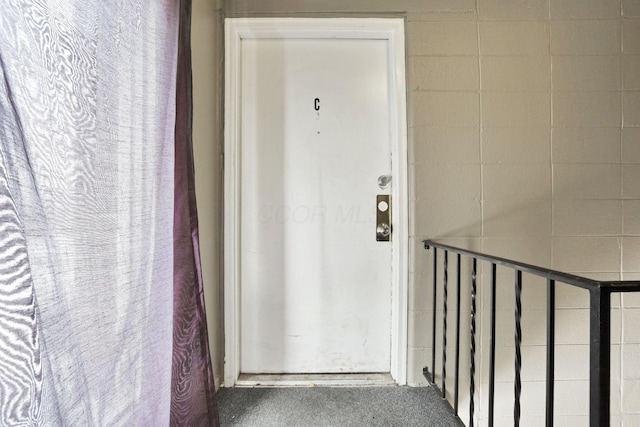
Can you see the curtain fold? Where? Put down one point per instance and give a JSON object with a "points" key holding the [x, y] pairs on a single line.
{"points": [[193, 398], [101, 313]]}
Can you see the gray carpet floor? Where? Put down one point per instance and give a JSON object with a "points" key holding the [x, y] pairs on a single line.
{"points": [[337, 406]]}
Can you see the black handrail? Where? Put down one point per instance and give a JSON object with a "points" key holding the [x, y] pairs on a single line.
{"points": [[600, 331]]}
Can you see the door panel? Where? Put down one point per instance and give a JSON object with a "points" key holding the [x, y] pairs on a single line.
{"points": [[315, 286]]}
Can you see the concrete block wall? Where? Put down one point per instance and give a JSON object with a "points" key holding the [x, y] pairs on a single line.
{"points": [[550, 165], [524, 142]]}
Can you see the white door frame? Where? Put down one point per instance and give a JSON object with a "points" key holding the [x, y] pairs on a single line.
{"points": [[392, 30]]}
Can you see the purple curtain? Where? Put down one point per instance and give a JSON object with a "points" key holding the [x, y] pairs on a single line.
{"points": [[193, 398], [101, 308]]}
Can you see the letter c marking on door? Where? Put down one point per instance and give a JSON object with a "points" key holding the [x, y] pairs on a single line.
{"points": [[316, 104]]}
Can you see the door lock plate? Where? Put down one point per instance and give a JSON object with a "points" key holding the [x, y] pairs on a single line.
{"points": [[383, 218]]}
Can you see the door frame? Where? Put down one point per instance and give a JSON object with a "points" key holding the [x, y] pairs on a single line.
{"points": [[392, 30]]}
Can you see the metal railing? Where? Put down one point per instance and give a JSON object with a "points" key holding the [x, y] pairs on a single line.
{"points": [[599, 331]]}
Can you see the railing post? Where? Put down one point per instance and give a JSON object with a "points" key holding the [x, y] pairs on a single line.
{"points": [[600, 357], [551, 342], [435, 295]]}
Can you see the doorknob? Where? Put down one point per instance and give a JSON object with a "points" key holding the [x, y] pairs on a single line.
{"points": [[383, 218], [382, 231]]}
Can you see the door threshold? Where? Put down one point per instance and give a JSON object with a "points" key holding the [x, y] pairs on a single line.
{"points": [[313, 380]]}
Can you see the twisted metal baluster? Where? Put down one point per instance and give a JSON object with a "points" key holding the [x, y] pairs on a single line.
{"points": [[518, 339], [444, 325], [473, 342]]}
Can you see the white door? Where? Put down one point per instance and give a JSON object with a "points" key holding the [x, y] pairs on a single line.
{"points": [[315, 129], [315, 283]]}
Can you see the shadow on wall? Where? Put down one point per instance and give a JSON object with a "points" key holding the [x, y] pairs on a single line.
{"points": [[515, 230]]}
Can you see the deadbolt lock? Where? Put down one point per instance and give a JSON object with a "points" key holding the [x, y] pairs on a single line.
{"points": [[383, 218]]}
